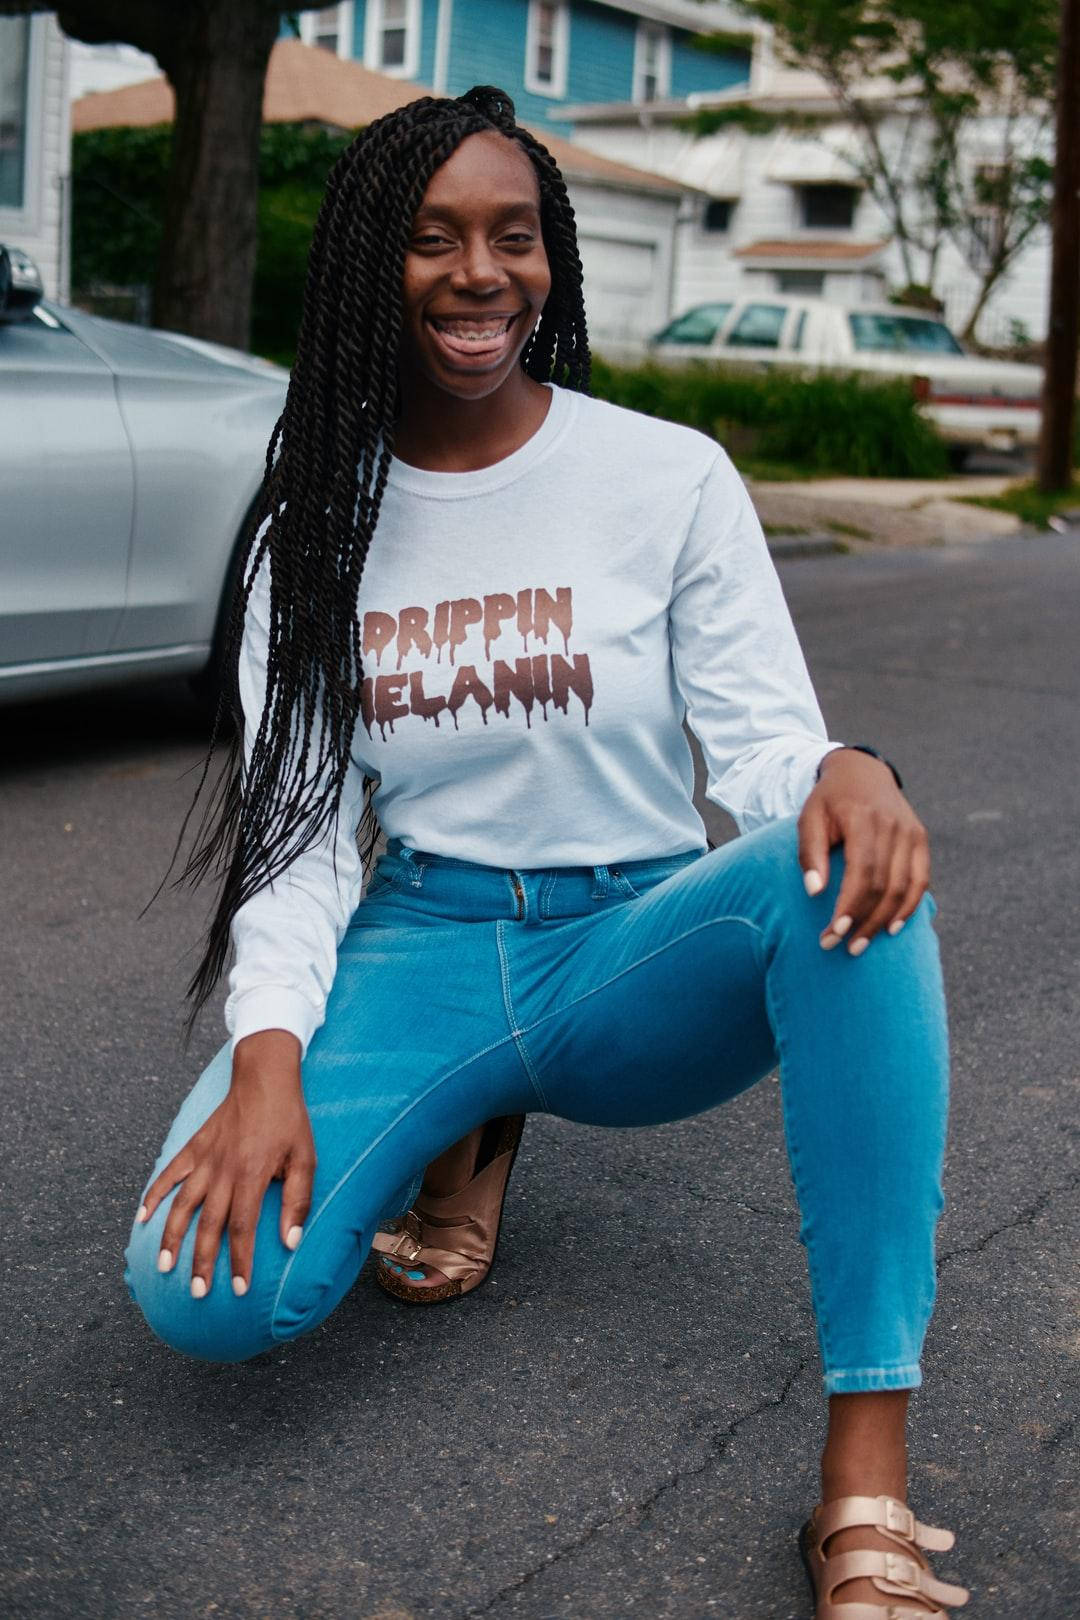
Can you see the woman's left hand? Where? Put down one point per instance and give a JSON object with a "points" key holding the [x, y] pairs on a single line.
{"points": [[886, 849]]}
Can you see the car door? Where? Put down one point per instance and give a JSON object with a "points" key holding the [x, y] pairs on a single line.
{"points": [[66, 496]]}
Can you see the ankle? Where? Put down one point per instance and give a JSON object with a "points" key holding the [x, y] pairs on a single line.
{"points": [[866, 1450]]}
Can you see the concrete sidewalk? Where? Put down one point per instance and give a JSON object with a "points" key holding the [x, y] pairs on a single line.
{"points": [[851, 513]]}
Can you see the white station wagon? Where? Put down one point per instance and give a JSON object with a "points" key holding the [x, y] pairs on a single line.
{"points": [[974, 402]]}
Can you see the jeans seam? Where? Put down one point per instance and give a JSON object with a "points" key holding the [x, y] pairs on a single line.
{"points": [[710, 922], [355, 1165], [516, 1033]]}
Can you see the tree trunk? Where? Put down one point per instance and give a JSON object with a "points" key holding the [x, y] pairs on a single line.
{"points": [[1059, 386], [216, 59]]}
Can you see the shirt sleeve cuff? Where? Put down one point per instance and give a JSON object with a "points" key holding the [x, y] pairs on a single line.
{"points": [[272, 1006]]}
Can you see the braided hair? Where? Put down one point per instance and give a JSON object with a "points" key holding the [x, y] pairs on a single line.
{"points": [[326, 471]]}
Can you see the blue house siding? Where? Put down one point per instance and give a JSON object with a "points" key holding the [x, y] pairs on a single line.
{"points": [[601, 64], [487, 46], [429, 22], [693, 69]]}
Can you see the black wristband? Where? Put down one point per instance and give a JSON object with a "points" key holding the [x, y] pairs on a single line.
{"points": [[864, 748]]}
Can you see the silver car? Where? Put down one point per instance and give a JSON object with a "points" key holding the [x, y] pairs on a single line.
{"points": [[129, 460]]}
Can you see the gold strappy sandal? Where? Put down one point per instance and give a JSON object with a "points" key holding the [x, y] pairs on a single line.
{"points": [[900, 1574], [457, 1235]]}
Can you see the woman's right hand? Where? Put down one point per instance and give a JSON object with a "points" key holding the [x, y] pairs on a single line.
{"points": [[261, 1132]]}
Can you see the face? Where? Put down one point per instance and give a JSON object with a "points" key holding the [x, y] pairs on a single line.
{"points": [[476, 272]]}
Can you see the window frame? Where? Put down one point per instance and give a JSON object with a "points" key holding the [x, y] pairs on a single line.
{"points": [[345, 29], [560, 50], [645, 30], [806, 189], [375, 26], [718, 230], [25, 218]]}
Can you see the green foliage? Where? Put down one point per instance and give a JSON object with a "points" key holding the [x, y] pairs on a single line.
{"points": [[1029, 503], [826, 422], [118, 189]]}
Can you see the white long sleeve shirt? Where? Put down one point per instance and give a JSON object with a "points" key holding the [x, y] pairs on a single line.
{"points": [[533, 635]]}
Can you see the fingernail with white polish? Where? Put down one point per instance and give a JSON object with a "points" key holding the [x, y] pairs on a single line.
{"points": [[841, 926], [857, 947], [813, 882], [164, 1260], [141, 1213], [239, 1286], [198, 1287], [897, 924], [828, 941], [293, 1236]]}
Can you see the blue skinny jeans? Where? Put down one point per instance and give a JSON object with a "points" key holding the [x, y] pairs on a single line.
{"points": [[612, 995]]}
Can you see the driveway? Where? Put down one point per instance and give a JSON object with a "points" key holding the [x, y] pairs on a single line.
{"points": [[624, 1422]]}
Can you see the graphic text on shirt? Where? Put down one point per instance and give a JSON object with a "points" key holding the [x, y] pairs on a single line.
{"points": [[535, 678]]}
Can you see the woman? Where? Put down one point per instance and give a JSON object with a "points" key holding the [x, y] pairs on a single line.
{"points": [[484, 601]]}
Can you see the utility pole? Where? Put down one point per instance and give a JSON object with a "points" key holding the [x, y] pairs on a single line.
{"points": [[1063, 329]]}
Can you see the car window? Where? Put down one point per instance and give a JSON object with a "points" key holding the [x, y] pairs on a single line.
{"points": [[797, 334], [901, 334], [758, 326], [698, 325]]}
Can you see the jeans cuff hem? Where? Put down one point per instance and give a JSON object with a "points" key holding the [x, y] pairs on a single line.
{"points": [[863, 1380]]}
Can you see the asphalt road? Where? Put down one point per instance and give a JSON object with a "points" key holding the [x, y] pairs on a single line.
{"points": [[625, 1421]]}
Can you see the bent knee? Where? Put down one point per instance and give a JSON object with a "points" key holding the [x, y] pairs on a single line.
{"points": [[222, 1326]]}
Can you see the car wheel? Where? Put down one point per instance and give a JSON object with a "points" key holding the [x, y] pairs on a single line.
{"points": [[207, 685]]}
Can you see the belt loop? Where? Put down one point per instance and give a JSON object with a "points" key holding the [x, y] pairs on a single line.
{"points": [[600, 887], [416, 867]]}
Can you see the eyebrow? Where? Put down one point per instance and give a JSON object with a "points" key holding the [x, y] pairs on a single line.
{"points": [[524, 205]]}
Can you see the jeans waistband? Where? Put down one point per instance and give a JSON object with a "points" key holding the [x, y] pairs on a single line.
{"points": [[519, 893]]}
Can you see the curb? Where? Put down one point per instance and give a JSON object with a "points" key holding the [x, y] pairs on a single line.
{"points": [[805, 545]]}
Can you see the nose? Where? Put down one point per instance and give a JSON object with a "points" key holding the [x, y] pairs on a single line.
{"points": [[478, 270]]}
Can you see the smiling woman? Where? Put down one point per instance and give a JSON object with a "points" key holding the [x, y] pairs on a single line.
{"points": [[452, 527]]}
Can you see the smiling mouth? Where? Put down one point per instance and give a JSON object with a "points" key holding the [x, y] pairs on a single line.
{"points": [[481, 331]]}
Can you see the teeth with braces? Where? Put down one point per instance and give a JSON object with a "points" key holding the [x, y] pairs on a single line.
{"points": [[471, 334]]}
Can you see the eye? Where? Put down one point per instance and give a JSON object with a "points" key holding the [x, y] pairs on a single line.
{"points": [[429, 239], [519, 238]]}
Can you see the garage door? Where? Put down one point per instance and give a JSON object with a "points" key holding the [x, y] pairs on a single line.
{"points": [[621, 295]]}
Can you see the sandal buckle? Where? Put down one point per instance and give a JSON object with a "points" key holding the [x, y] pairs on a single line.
{"points": [[903, 1572], [899, 1518]]}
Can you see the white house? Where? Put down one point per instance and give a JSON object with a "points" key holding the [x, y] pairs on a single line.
{"points": [[35, 145], [787, 212]]}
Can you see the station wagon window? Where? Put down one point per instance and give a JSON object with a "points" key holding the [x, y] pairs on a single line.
{"points": [[392, 37], [698, 325], [14, 68], [881, 333], [652, 62], [797, 334], [547, 44], [828, 207], [758, 327], [717, 215]]}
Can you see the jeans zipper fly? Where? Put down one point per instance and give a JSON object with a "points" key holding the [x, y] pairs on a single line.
{"points": [[519, 896]]}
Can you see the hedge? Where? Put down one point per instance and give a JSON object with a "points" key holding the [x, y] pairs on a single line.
{"points": [[824, 422]]}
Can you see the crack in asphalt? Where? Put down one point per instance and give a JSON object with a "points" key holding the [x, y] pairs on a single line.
{"points": [[716, 1448], [1024, 1217]]}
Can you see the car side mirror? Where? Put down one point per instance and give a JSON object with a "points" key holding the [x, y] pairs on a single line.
{"points": [[21, 287]]}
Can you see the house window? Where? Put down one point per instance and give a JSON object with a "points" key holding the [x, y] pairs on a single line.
{"points": [[329, 29], [547, 47], [809, 282], [828, 207], [14, 65], [652, 62], [392, 37], [717, 215]]}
